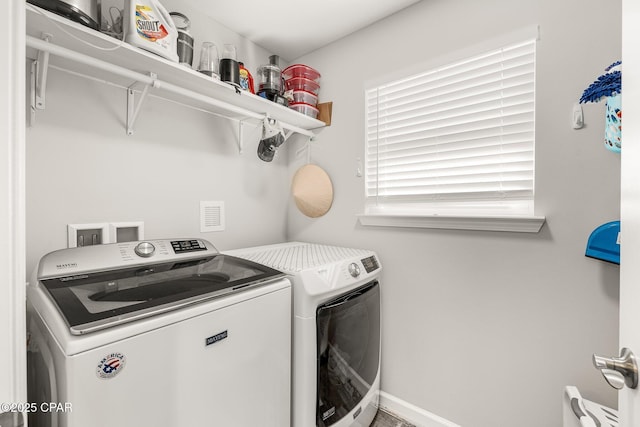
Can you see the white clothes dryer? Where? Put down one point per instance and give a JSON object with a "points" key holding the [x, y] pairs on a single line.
{"points": [[336, 330]]}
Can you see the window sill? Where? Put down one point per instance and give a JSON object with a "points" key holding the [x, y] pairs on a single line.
{"points": [[520, 224]]}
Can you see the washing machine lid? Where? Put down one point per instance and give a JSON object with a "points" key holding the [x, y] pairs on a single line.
{"points": [[92, 301]]}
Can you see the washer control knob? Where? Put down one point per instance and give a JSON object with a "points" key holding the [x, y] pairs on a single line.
{"points": [[354, 269], [144, 249]]}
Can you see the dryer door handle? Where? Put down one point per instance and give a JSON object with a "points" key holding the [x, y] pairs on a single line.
{"points": [[348, 297], [343, 300]]}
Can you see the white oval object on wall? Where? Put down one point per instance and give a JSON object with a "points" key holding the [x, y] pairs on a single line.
{"points": [[312, 190]]}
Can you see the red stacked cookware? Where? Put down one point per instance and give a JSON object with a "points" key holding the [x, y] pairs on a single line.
{"points": [[304, 82]]}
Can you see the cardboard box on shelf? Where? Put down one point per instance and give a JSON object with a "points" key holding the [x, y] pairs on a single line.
{"points": [[325, 112]]}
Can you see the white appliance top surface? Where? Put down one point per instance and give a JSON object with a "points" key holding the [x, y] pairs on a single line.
{"points": [[98, 287], [294, 257]]}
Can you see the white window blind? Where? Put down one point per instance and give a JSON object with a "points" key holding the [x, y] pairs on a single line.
{"points": [[457, 139]]}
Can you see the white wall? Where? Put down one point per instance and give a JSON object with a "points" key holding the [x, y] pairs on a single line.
{"points": [[83, 168], [486, 328]]}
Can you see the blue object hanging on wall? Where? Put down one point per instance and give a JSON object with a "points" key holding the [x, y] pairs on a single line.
{"points": [[609, 87], [604, 243], [608, 84]]}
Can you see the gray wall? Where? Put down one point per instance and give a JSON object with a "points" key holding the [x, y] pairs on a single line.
{"points": [[486, 328], [83, 168]]}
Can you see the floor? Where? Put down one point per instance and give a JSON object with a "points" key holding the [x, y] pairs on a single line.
{"points": [[386, 419], [11, 419]]}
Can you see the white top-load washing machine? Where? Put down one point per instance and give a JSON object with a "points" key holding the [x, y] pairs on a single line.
{"points": [[336, 330], [160, 333]]}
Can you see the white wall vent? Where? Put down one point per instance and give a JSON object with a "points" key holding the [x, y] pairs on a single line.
{"points": [[211, 216]]}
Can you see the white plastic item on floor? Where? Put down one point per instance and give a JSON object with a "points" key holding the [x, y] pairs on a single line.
{"points": [[580, 412]]}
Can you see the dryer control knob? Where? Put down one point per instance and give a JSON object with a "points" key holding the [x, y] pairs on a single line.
{"points": [[354, 269], [144, 249]]}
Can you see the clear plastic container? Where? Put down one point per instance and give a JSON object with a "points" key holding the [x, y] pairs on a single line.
{"points": [[306, 109], [300, 70], [269, 79], [302, 83], [305, 97]]}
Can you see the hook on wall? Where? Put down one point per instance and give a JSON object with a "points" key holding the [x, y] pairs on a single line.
{"points": [[306, 147]]}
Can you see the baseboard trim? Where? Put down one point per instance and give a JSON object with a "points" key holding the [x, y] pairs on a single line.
{"points": [[412, 413]]}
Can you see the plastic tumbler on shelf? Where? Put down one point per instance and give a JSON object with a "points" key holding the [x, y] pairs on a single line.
{"points": [[229, 67], [209, 60]]}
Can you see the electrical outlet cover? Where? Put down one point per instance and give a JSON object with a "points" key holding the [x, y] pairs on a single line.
{"points": [[74, 230], [126, 231]]}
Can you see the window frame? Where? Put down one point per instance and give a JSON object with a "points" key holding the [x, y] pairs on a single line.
{"points": [[529, 223]]}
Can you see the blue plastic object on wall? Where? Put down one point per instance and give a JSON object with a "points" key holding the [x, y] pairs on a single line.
{"points": [[604, 243]]}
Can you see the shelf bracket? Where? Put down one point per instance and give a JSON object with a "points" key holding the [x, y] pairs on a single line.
{"points": [[306, 148], [133, 109], [288, 134], [310, 136], [39, 69]]}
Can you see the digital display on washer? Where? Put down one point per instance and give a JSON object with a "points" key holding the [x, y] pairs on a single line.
{"points": [[180, 246], [94, 301], [370, 264]]}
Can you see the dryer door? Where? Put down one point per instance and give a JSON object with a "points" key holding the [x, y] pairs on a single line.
{"points": [[348, 351]]}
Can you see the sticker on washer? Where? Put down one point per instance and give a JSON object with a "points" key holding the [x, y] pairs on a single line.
{"points": [[111, 365]]}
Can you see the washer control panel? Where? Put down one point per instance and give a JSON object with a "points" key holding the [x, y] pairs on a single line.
{"points": [[72, 261], [147, 249]]}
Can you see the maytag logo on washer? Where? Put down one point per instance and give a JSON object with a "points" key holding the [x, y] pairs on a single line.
{"points": [[111, 365], [216, 338], [67, 265]]}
